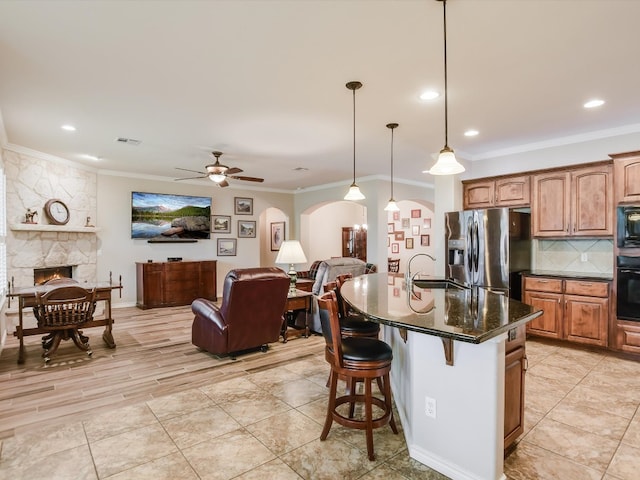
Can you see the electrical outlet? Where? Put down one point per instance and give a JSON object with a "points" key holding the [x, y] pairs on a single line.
{"points": [[430, 407], [583, 257]]}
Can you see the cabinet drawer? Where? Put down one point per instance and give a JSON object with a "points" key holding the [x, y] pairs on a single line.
{"points": [[588, 288], [553, 285]]}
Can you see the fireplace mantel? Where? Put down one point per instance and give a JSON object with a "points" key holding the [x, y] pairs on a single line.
{"points": [[36, 227]]}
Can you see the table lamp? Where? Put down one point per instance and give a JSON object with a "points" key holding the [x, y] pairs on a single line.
{"points": [[291, 253]]}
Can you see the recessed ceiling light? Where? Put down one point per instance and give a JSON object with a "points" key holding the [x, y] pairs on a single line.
{"points": [[90, 157], [471, 133], [593, 103], [68, 128], [429, 95]]}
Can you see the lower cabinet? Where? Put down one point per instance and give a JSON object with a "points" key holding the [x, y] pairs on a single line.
{"points": [[574, 310], [515, 367], [170, 284]]}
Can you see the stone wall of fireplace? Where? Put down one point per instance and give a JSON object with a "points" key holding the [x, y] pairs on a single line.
{"points": [[32, 179]]}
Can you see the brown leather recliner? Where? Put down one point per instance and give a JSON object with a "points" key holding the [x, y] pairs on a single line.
{"points": [[250, 315]]}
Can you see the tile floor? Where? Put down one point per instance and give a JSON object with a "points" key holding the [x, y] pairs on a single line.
{"points": [[582, 423]]}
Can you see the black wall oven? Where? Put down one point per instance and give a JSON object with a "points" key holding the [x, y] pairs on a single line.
{"points": [[628, 304]]}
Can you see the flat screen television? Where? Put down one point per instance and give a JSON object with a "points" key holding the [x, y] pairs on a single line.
{"points": [[162, 216]]}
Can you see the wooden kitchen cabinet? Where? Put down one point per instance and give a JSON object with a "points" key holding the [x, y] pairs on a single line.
{"points": [[515, 368], [549, 324], [511, 191], [573, 203], [168, 284], [579, 312], [627, 177]]}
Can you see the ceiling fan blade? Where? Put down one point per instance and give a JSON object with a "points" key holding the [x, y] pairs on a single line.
{"points": [[190, 178], [224, 183], [247, 179], [233, 170], [194, 171]]}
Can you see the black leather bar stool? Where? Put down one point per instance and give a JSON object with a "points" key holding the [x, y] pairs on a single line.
{"points": [[355, 359], [353, 324]]}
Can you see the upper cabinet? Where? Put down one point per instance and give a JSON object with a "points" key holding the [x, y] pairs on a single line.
{"points": [[511, 191], [573, 202], [627, 175]]}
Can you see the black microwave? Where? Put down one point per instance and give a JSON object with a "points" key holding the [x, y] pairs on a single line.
{"points": [[628, 226]]}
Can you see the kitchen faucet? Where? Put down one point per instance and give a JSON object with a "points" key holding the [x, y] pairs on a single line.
{"points": [[408, 277]]}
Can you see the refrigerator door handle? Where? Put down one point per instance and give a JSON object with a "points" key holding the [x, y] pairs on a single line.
{"points": [[476, 250]]}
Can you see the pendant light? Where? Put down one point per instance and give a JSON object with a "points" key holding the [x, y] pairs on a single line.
{"points": [[392, 206], [354, 192], [447, 163]]}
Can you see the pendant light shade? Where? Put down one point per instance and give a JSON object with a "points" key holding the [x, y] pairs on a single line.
{"points": [[392, 206], [354, 192], [447, 163]]}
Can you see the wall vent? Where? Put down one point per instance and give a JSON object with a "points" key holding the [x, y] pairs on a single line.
{"points": [[130, 141]]}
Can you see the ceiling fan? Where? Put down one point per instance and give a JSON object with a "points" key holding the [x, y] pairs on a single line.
{"points": [[219, 173]]}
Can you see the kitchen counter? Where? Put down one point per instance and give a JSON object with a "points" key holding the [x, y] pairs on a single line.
{"points": [[437, 307], [565, 274], [461, 433]]}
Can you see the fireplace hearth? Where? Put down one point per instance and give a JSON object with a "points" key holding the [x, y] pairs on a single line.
{"points": [[43, 275]]}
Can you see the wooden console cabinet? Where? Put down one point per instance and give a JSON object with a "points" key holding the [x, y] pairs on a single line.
{"points": [[515, 364], [169, 284]]}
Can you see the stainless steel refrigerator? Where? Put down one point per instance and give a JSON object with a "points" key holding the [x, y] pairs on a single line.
{"points": [[488, 248]]}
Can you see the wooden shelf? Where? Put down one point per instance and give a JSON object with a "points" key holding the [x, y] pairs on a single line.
{"points": [[36, 227]]}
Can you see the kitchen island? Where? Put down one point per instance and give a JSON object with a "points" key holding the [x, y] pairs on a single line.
{"points": [[448, 368]]}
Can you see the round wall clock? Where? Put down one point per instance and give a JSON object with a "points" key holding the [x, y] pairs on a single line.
{"points": [[57, 211]]}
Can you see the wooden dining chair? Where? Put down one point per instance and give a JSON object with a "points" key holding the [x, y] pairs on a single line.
{"points": [[62, 311]]}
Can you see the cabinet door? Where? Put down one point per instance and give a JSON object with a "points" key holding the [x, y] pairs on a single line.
{"points": [[181, 283], [551, 204], [586, 319], [627, 178], [513, 191], [479, 194], [592, 202], [208, 280], [549, 324], [514, 364], [149, 285]]}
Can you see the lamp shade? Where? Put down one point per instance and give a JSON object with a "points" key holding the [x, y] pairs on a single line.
{"points": [[446, 164], [392, 206], [291, 252], [354, 193]]}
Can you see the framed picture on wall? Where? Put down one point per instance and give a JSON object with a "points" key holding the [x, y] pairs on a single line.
{"points": [[277, 235], [424, 240], [416, 213], [408, 243], [395, 248], [221, 223], [388, 241], [391, 227], [405, 223], [427, 223], [398, 236], [243, 206], [227, 247], [396, 216], [246, 229], [415, 230]]}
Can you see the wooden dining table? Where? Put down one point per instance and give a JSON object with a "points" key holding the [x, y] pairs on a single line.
{"points": [[26, 297]]}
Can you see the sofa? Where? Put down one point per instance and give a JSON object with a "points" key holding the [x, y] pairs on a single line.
{"points": [[325, 271]]}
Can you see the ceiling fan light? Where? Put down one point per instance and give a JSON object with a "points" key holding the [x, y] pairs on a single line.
{"points": [[217, 177], [392, 206], [354, 193], [446, 164]]}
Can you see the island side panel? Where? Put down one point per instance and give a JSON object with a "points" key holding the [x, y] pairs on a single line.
{"points": [[465, 439]]}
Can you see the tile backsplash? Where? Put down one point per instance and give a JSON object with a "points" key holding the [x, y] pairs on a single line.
{"points": [[582, 256]]}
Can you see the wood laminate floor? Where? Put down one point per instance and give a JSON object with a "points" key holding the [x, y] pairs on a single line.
{"points": [[156, 407]]}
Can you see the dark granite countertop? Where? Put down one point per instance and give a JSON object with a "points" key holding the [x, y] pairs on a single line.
{"points": [[576, 275], [468, 315]]}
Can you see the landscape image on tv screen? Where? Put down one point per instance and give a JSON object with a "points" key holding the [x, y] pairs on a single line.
{"points": [[163, 216]]}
